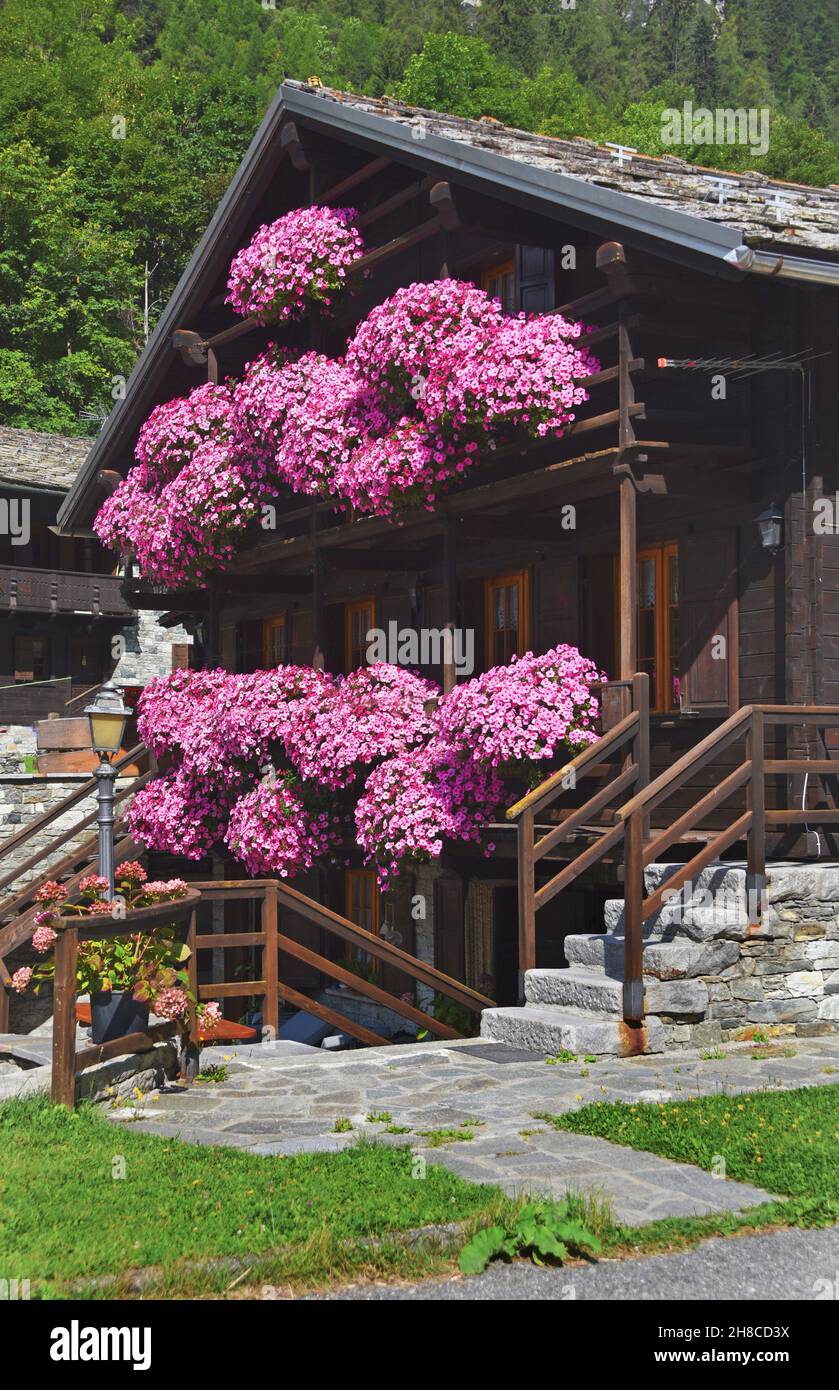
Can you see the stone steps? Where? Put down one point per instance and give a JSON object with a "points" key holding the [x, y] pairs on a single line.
{"points": [[713, 905], [663, 960], [554, 1030]]}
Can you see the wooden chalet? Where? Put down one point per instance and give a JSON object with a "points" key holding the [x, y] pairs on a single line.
{"points": [[669, 535]]}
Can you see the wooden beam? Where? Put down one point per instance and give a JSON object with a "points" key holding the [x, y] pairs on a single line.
{"points": [[341, 558], [398, 200], [292, 146], [362, 175]]}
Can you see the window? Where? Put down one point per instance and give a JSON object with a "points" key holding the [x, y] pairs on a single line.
{"points": [[507, 623], [274, 644], [32, 659], [500, 283], [658, 624], [228, 648], [362, 906], [359, 620]]}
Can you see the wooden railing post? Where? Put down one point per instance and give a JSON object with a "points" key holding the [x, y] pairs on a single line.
{"points": [[756, 803], [641, 743], [64, 1018], [633, 921], [270, 964], [190, 1042], [527, 892], [5, 986]]}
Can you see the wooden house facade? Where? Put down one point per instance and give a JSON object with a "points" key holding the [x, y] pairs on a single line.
{"points": [[681, 528]]}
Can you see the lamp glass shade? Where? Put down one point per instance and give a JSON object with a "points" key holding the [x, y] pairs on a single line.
{"points": [[106, 731], [108, 716], [770, 523]]}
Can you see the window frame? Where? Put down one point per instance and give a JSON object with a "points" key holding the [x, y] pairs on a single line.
{"points": [[350, 610], [277, 621], [352, 876], [521, 579], [664, 659], [498, 272]]}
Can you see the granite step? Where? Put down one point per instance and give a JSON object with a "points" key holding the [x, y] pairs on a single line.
{"points": [[554, 1030], [602, 953], [601, 995]]}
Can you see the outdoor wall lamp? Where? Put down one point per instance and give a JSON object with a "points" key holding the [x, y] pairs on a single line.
{"points": [[107, 716], [770, 524]]}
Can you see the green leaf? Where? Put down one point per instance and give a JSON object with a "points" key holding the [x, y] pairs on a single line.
{"points": [[482, 1248]]}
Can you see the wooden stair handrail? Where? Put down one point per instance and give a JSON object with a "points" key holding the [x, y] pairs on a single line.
{"points": [[47, 817], [688, 764], [542, 795], [56, 870], [16, 932], [383, 950]]}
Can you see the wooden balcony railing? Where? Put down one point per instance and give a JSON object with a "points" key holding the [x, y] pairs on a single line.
{"points": [[26, 590]]}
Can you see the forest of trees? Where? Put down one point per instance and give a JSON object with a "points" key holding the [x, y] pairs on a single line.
{"points": [[122, 121]]}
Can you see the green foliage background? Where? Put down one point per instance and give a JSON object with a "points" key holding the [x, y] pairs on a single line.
{"points": [[122, 121]]}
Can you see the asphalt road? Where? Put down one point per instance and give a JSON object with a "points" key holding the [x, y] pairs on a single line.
{"points": [[785, 1266]]}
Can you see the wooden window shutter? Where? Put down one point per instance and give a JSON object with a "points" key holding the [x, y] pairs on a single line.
{"points": [[537, 279], [449, 941], [180, 656], [708, 622]]}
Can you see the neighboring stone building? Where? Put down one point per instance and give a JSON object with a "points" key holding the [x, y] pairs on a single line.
{"points": [[64, 625]]}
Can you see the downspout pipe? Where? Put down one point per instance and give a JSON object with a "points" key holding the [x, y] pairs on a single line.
{"points": [[783, 267]]}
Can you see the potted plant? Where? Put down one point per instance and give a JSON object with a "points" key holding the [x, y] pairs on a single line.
{"points": [[126, 976]]}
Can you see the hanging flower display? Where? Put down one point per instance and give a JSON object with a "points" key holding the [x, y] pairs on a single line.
{"points": [[431, 376], [279, 764], [304, 258]]}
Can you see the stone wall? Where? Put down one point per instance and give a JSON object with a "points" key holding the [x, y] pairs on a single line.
{"points": [[147, 650], [718, 970]]}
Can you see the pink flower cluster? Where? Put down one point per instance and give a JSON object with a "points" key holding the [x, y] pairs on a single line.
{"points": [[356, 720], [428, 375], [372, 747], [272, 830], [412, 804], [303, 258], [182, 510], [525, 713]]}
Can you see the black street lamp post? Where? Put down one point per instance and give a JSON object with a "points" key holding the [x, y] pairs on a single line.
{"points": [[108, 716]]}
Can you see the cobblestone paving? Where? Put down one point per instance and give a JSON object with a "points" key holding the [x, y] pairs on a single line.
{"points": [[280, 1104]]}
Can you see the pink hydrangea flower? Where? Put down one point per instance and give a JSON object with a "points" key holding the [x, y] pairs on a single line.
{"points": [[171, 1003], [42, 939]]}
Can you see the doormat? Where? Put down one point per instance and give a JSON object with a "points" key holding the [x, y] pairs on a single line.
{"points": [[498, 1052]]}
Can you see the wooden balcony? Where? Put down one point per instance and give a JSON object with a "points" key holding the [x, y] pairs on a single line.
{"points": [[61, 591]]}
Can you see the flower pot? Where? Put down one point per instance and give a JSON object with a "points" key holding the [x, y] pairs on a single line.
{"points": [[115, 1014]]}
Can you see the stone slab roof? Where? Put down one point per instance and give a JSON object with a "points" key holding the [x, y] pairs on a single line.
{"points": [[767, 212], [40, 460]]}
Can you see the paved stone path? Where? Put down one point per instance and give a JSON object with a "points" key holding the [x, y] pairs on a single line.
{"points": [[782, 1267], [275, 1103]]}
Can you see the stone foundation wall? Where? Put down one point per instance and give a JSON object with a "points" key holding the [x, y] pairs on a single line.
{"points": [[773, 973]]}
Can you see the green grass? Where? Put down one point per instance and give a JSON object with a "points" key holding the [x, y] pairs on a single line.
{"points": [[436, 1138], [64, 1216], [783, 1141]]}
